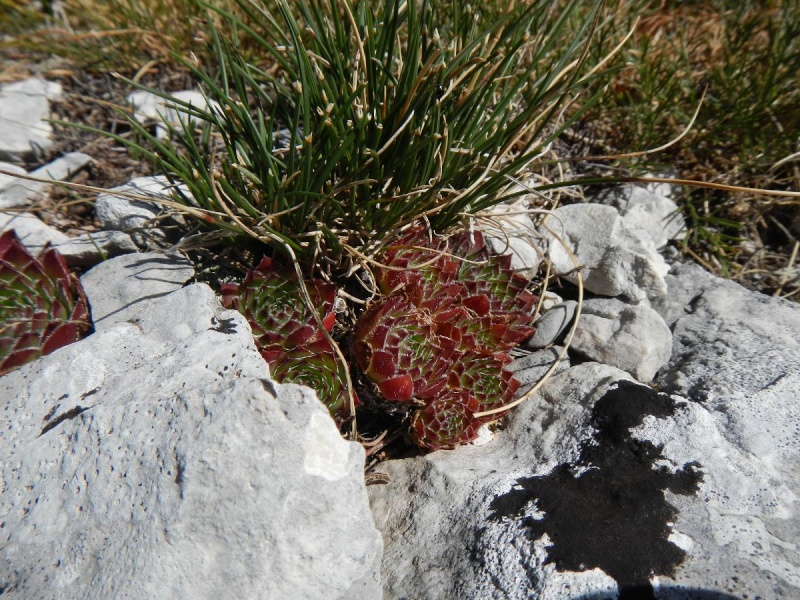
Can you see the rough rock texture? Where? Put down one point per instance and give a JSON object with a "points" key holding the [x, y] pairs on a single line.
{"points": [[616, 260], [115, 288], [632, 338], [7, 180], [511, 231], [126, 214], [530, 368], [601, 487], [89, 249], [652, 213], [23, 192], [155, 459], [23, 105]]}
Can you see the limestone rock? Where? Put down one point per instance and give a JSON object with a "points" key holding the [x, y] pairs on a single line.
{"points": [[116, 288], [658, 216], [121, 213], [511, 231], [530, 368], [22, 193], [632, 338], [155, 459], [23, 106], [726, 339], [617, 261], [31, 230], [90, 248], [8, 180]]}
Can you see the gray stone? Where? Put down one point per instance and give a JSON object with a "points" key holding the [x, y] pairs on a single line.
{"points": [[23, 106], [529, 369], [31, 231], [632, 338], [115, 288], [90, 248], [155, 459], [552, 324], [134, 216], [600, 483], [726, 339], [616, 260], [657, 216], [23, 193], [167, 110]]}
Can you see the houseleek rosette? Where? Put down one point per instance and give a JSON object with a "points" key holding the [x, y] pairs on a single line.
{"points": [[287, 333], [42, 304]]}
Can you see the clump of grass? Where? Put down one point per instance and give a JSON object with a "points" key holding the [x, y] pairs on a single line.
{"points": [[361, 118]]}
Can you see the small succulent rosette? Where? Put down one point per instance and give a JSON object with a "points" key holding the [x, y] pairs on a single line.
{"points": [[42, 304]]}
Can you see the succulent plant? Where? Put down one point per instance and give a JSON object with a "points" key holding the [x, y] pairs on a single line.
{"points": [[439, 338], [42, 304], [446, 422], [397, 346], [270, 299], [316, 365], [286, 332]]}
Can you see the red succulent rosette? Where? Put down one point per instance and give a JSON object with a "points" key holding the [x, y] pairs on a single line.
{"points": [[398, 347], [281, 321], [42, 305], [316, 366], [446, 422]]}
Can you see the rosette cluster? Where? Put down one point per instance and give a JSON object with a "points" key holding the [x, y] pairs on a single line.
{"points": [[439, 338], [287, 333], [42, 304]]}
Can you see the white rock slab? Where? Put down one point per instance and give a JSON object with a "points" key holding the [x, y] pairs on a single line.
{"points": [[616, 260], [31, 230], [530, 368], [22, 193], [147, 106], [23, 106], [155, 459], [632, 338], [116, 288], [510, 230], [7, 180], [134, 216]]}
